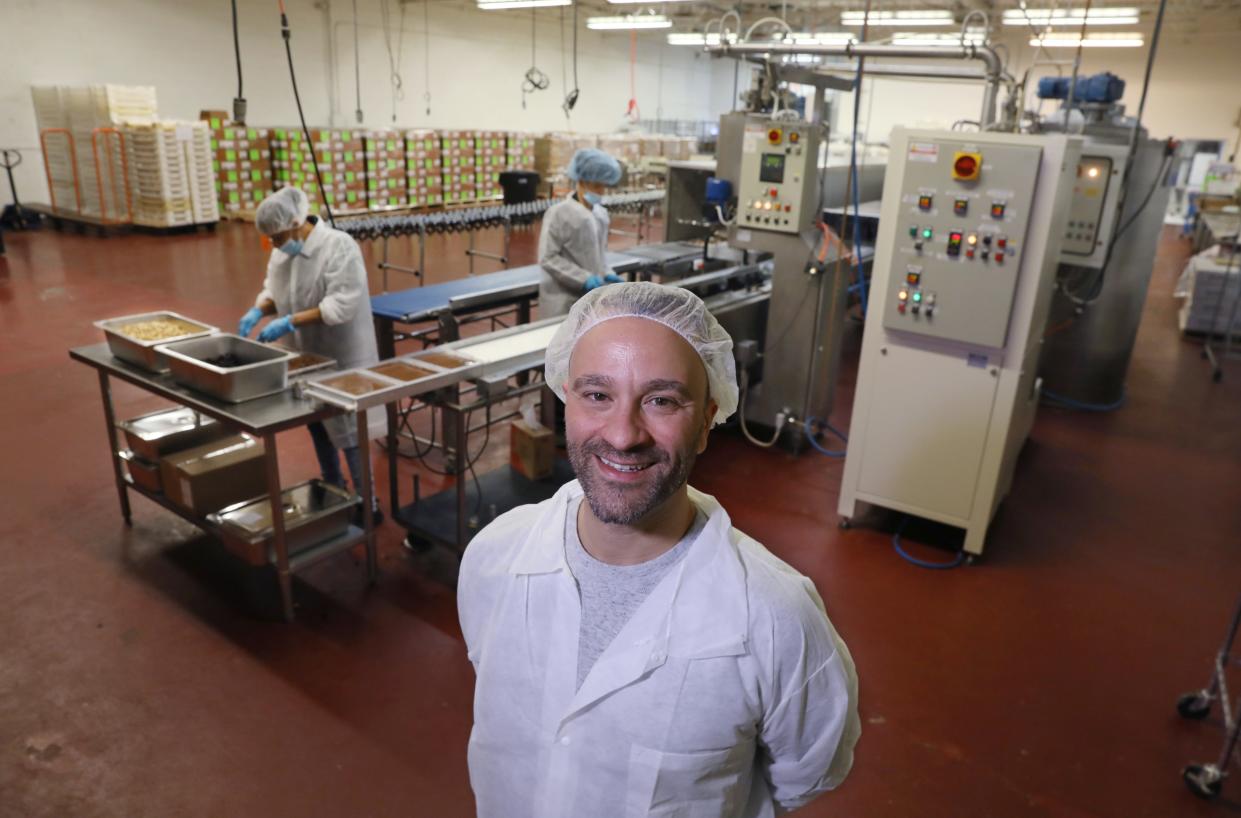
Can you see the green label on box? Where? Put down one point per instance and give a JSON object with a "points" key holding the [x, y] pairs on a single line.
{"points": [[232, 176], [391, 164], [391, 145], [353, 197], [254, 154], [214, 123], [349, 176], [256, 175], [228, 133], [234, 196], [258, 195], [344, 136], [327, 178], [371, 164], [280, 133], [215, 165], [372, 184], [252, 133], [230, 156], [394, 200], [215, 143]]}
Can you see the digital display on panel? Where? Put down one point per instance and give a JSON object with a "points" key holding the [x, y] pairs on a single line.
{"points": [[772, 168]]}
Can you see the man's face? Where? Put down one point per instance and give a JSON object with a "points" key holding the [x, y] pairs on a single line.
{"points": [[636, 416]]}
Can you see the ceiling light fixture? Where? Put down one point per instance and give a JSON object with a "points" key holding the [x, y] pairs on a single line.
{"points": [[503, 5], [923, 17], [628, 22], [1072, 17], [1130, 39]]}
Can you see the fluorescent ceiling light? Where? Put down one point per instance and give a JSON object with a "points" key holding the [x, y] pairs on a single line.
{"points": [[628, 22], [925, 17], [694, 38], [910, 38], [1071, 17], [820, 38], [501, 5], [647, 2], [1130, 39]]}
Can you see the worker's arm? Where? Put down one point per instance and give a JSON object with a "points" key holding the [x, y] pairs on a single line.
{"points": [[345, 279], [811, 725]]}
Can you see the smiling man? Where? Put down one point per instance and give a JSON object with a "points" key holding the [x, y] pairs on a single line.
{"points": [[637, 655]]}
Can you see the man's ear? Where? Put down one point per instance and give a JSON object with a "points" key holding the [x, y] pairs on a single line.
{"points": [[707, 417]]}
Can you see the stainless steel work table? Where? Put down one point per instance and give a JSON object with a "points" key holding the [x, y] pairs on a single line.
{"points": [[263, 418]]}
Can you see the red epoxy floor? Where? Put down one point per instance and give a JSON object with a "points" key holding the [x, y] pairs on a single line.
{"points": [[1040, 682]]}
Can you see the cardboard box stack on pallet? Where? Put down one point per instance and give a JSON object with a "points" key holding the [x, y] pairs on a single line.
{"points": [[460, 166], [342, 162], [519, 151], [491, 148], [171, 178], [243, 164], [679, 147], [552, 153], [386, 181], [292, 165], [90, 114], [424, 168]]}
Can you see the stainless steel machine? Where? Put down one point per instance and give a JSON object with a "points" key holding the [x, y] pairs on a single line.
{"points": [[969, 240]]}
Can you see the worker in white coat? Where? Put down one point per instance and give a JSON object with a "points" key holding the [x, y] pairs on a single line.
{"points": [[573, 243], [316, 287], [635, 654]]}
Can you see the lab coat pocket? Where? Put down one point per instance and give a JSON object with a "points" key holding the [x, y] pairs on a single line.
{"points": [[684, 785]]}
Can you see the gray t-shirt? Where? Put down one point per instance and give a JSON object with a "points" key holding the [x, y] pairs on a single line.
{"points": [[611, 593]]}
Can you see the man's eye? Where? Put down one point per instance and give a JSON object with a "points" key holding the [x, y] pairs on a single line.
{"points": [[662, 402], [595, 397]]}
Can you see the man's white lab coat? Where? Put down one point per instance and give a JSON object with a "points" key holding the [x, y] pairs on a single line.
{"points": [[329, 274], [727, 694]]}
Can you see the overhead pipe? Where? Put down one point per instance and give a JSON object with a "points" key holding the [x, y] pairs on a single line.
{"points": [[994, 65]]}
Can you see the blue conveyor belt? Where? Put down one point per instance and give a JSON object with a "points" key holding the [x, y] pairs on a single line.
{"points": [[422, 303]]}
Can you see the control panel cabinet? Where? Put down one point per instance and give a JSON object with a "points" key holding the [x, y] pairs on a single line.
{"points": [[779, 176], [970, 236]]}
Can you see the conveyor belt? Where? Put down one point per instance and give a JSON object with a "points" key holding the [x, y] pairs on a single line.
{"points": [[423, 303]]}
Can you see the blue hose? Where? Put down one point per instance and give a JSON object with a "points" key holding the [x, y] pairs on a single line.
{"points": [[1081, 406], [853, 182], [934, 566], [829, 427]]}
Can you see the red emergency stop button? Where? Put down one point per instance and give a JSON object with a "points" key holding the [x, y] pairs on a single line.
{"points": [[775, 135], [966, 166]]}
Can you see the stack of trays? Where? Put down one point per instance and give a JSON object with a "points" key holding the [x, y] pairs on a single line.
{"points": [[403, 376], [171, 174]]}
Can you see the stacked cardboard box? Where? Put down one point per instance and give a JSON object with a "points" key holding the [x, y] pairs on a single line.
{"points": [[460, 166], [626, 148], [292, 165], [519, 151], [552, 153], [679, 147], [387, 185], [652, 145], [491, 149], [424, 166], [171, 180], [342, 163], [243, 164]]}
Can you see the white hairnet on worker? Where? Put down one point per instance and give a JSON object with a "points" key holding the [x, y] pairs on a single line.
{"points": [[677, 309], [593, 165], [283, 210]]}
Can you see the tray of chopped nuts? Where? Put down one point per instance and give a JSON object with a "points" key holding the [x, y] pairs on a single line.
{"points": [[133, 338]]}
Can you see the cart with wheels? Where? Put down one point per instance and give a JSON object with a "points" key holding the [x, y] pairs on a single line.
{"points": [[1206, 780]]}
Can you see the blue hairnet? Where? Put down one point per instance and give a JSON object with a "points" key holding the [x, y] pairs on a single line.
{"points": [[593, 165]]}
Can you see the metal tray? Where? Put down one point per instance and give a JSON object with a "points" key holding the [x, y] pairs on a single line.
{"points": [[145, 353], [314, 512], [144, 472], [156, 434], [268, 374], [321, 364], [394, 389]]}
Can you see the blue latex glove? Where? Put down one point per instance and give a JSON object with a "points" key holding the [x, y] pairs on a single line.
{"points": [[592, 282], [612, 278], [248, 321], [278, 328]]}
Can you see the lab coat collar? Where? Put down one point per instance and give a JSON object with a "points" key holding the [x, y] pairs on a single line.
{"points": [[699, 610], [314, 242]]}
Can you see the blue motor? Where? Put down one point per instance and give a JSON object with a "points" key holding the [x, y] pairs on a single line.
{"points": [[719, 191], [1102, 88]]}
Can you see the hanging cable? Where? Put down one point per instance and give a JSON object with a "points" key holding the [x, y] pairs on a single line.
{"points": [[1081, 406], [394, 60], [426, 54], [631, 112], [570, 99], [239, 101], [287, 34], [781, 418], [534, 80], [934, 566], [357, 67], [564, 62]]}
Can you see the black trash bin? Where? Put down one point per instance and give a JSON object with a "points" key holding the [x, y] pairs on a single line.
{"points": [[519, 186]]}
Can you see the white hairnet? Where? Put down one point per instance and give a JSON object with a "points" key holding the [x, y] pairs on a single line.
{"points": [[679, 310], [593, 165], [283, 210]]}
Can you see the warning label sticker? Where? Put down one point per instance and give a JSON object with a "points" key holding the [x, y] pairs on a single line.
{"points": [[923, 152]]}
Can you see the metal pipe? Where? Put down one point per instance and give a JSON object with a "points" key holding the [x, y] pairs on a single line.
{"points": [[985, 54]]}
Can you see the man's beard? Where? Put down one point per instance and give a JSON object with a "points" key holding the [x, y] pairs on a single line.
{"points": [[618, 504]]}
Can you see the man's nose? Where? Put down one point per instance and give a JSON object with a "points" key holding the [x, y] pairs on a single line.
{"points": [[627, 430]]}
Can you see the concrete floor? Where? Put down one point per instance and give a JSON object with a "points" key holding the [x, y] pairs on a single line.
{"points": [[134, 680]]}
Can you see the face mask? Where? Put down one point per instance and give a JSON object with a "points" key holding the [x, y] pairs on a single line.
{"points": [[592, 199], [292, 247]]}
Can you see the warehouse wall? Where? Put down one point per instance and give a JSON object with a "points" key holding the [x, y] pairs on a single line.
{"points": [[477, 60]]}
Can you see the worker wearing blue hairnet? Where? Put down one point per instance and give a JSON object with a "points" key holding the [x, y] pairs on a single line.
{"points": [[574, 240]]}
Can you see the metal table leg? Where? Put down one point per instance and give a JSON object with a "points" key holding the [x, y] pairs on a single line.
{"points": [[281, 546], [105, 391], [462, 459], [394, 449], [368, 498]]}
